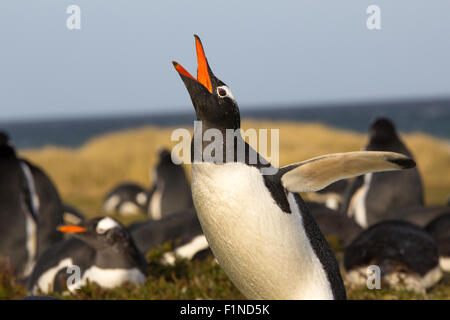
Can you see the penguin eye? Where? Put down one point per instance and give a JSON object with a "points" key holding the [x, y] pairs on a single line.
{"points": [[222, 92]]}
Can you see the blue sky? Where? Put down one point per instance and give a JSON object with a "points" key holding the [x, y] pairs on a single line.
{"points": [[269, 53]]}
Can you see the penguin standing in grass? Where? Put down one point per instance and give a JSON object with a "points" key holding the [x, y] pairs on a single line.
{"points": [[419, 215], [406, 255], [257, 225], [375, 197], [126, 199], [47, 203], [18, 213], [171, 191], [102, 250], [30, 210]]}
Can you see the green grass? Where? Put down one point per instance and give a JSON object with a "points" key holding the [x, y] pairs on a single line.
{"points": [[200, 280], [184, 280]]}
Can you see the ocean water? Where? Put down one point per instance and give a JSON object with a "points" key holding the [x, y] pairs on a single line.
{"points": [[429, 116]]}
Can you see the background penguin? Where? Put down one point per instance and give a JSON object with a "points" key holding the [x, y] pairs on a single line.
{"points": [[419, 215], [18, 213], [332, 196], [31, 226], [126, 199], [335, 225], [48, 204], [103, 250], [371, 197], [181, 227], [406, 254], [439, 229], [256, 223], [171, 192], [72, 215]]}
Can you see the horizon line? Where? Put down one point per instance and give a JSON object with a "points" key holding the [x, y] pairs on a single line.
{"points": [[251, 108]]}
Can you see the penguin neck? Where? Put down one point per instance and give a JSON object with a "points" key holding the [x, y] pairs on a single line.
{"points": [[116, 256], [225, 144], [224, 125], [394, 145], [7, 152]]}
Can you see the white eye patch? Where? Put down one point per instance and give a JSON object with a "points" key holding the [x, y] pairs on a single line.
{"points": [[105, 224], [224, 92]]}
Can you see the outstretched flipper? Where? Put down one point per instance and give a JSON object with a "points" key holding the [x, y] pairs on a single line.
{"points": [[317, 173]]}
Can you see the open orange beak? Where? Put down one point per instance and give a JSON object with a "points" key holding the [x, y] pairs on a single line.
{"points": [[71, 229], [202, 66]]}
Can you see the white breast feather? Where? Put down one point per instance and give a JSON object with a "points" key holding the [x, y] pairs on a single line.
{"points": [[155, 205], [264, 251], [111, 203], [111, 278], [30, 223], [129, 208], [360, 202], [188, 250], [46, 280], [106, 278]]}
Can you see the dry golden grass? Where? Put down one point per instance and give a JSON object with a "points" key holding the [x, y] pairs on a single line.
{"points": [[85, 174]]}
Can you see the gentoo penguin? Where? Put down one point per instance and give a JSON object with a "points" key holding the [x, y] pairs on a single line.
{"points": [[256, 224], [47, 203], [331, 196], [372, 196], [102, 249], [171, 191], [181, 227], [18, 213], [126, 199], [419, 215], [334, 225], [439, 229], [37, 214], [406, 255]]}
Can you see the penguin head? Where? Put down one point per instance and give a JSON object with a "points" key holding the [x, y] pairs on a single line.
{"points": [[4, 138], [164, 156], [213, 101], [382, 132], [166, 169], [6, 147], [99, 233]]}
